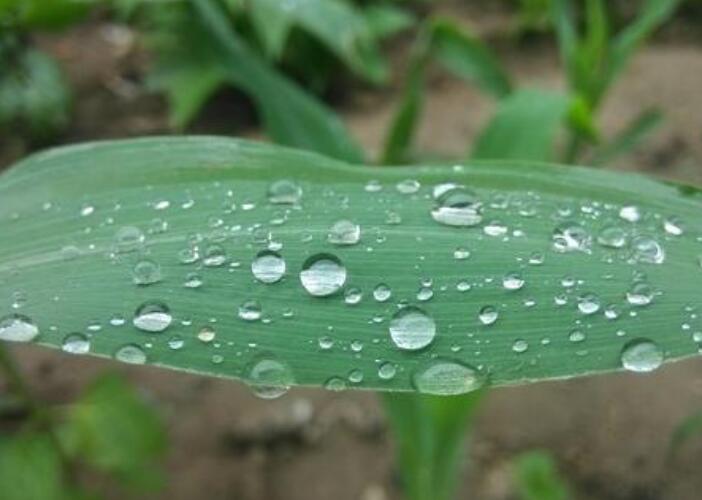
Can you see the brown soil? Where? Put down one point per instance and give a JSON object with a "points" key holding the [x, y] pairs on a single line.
{"points": [[609, 433]]}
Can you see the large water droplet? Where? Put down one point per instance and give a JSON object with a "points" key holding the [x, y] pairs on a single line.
{"points": [[344, 232], [447, 378], [412, 329], [269, 378], [17, 328], [458, 207], [323, 275], [641, 355], [268, 267], [153, 317], [284, 192]]}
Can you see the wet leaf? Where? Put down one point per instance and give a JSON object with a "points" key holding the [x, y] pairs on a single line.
{"points": [[228, 258]]}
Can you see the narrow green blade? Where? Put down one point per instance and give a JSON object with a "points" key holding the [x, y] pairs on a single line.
{"points": [[531, 272]]}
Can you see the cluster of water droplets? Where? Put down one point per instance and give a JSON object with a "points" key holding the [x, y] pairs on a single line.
{"points": [[391, 307]]}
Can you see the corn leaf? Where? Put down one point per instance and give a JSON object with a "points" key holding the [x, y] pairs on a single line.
{"points": [[524, 127], [218, 256]]}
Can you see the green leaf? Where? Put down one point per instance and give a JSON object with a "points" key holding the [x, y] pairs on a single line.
{"points": [[30, 468], [688, 428], [538, 479], [524, 127], [653, 14], [33, 94], [273, 25], [112, 429], [83, 225], [336, 23], [429, 433], [567, 36], [468, 58], [384, 20], [461, 54], [42, 14], [215, 56], [629, 138]]}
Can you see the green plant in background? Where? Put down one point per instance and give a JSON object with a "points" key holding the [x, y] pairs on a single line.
{"points": [[242, 46], [537, 477], [108, 433], [33, 93], [528, 122], [302, 259]]}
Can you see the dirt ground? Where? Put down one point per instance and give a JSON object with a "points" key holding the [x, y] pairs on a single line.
{"points": [[609, 434]]}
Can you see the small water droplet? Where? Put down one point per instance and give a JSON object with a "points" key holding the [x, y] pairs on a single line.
{"points": [[458, 207], [353, 296], [146, 272], [284, 192], [612, 237], [447, 378], [269, 378], [387, 371], [512, 281], [344, 232], [519, 346], [268, 267], [640, 294], [131, 353], [461, 253], [215, 256], [630, 213], [570, 237], [646, 249], [128, 239], [193, 280], [673, 226], [153, 317], [206, 334], [588, 303], [408, 186], [382, 292], [75, 343], [250, 310], [488, 315], [576, 336]]}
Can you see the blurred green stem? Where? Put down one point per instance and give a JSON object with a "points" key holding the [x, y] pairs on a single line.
{"points": [[429, 433]]}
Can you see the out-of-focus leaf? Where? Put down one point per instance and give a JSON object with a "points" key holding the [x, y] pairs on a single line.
{"points": [[43, 14], [537, 477], [291, 116], [524, 127], [468, 58], [567, 36], [429, 434], [384, 20], [582, 119], [112, 429], [629, 138], [461, 54], [30, 468], [687, 429], [273, 23], [404, 122], [652, 15], [336, 23], [33, 93]]}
